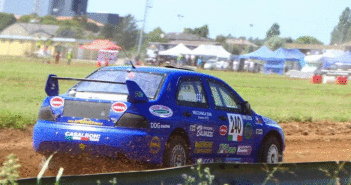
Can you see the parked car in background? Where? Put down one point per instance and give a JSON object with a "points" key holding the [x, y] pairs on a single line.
{"points": [[219, 63], [159, 115]]}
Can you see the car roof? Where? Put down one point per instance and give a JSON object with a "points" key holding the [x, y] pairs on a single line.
{"points": [[165, 70]]}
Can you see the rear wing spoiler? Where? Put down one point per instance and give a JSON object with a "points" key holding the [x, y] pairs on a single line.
{"points": [[135, 93]]}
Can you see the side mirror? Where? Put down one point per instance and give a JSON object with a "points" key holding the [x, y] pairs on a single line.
{"points": [[247, 108]]}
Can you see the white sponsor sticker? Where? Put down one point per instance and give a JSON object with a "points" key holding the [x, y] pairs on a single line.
{"points": [[247, 117], [161, 111], [204, 131], [56, 102], [159, 125], [236, 127], [82, 136], [259, 131], [244, 150], [192, 128]]}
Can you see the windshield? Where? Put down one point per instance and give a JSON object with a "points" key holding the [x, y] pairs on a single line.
{"points": [[148, 82]]}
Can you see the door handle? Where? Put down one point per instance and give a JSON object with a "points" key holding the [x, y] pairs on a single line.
{"points": [[187, 114], [223, 118]]}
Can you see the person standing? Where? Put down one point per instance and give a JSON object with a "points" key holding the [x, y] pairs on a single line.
{"points": [[199, 62], [57, 58], [69, 57]]}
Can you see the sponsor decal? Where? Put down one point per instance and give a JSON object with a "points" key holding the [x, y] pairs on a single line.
{"points": [[204, 131], [244, 150], [155, 145], [205, 160], [258, 120], [82, 136], [248, 131], [159, 125], [259, 131], [85, 121], [203, 147], [161, 111], [82, 146], [131, 75], [192, 128], [56, 102], [225, 149], [223, 130], [138, 94], [247, 117], [236, 127], [232, 160], [202, 114], [119, 107], [269, 121]]}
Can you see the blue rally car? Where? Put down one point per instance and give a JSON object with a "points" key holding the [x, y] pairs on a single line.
{"points": [[159, 115]]}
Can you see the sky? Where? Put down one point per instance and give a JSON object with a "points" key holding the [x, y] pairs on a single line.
{"points": [[296, 18]]}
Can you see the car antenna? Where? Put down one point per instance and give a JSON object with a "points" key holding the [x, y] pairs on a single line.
{"points": [[128, 58]]}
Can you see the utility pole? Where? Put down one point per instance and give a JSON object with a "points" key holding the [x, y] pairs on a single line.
{"points": [[142, 30]]}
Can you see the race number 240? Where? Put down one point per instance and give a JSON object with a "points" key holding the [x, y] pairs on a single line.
{"points": [[236, 127]]}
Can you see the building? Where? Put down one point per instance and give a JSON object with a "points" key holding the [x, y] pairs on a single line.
{"points": [[44, 7], [105, 18], [68, 7], [31, 30]]}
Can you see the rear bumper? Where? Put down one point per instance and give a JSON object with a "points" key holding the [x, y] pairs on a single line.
{"points": [[70, 138]]}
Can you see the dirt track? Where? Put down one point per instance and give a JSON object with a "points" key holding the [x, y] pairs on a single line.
{"points": [[305, 142]]}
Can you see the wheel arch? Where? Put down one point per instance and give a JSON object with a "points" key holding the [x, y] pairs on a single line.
{"points": [[178, 132], [271, 133], [274, 133]]}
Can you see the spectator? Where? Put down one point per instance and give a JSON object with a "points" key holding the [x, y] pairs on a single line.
{"points": [[57, 58], [199, 62], [69, 57]]}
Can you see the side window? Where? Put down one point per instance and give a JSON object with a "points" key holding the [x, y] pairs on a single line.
{"points": [[222, 96], [191, 93]]}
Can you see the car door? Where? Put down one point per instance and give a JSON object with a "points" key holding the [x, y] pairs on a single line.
{"points": [[236, 129], [193, 106]]}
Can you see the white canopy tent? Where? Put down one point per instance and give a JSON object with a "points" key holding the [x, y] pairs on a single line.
{"points": [[177, 50], [211, 50]]}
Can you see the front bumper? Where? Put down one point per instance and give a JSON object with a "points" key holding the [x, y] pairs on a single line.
{"points": [[70, 138]]}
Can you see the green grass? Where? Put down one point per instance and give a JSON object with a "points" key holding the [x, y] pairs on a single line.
{"points": [[22, 84], [285, 99]]}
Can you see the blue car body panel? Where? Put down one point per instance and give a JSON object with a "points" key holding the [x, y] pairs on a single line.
{"points": [[214, 135]]}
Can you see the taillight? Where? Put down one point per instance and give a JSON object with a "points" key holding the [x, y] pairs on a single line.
{"points": [[132, 121], [45, 113]]}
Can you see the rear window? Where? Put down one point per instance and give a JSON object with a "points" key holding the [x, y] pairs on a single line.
{"points": [[148, 82]]}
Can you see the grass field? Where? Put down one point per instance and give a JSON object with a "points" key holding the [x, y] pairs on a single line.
{"points": [[22, 84]]}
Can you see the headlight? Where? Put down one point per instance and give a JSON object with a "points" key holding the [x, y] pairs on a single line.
{"points": [[45, 113], [132, 121]]}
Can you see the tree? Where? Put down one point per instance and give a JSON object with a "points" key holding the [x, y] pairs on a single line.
{"points": [[125, 33], [6, 20], [92, 27], [273, 31], [49, 19], [342, 32], [107, 31], [156, 35], [275, 42], [201, 31], [307, 40]]}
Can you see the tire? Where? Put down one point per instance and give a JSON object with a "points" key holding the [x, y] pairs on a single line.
{"points": [[176, 153], [271, 151]]}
